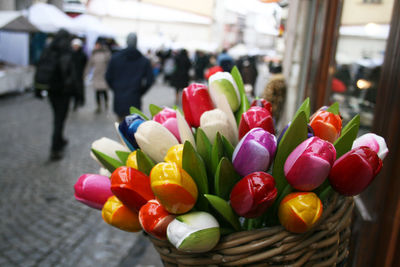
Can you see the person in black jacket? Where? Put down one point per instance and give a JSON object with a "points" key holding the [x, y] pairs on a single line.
{"points": [[180, 76], [129, 74], [61, 87]]}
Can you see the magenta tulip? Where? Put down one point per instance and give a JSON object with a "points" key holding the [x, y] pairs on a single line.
{"points": [[309, 164], [93, 190]]}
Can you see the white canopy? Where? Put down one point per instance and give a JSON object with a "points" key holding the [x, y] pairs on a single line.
{"points": [[88, 23], [144, 11], [48, 18], [15, 21]]}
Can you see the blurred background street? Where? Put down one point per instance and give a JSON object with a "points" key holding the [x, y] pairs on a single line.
{"points": [[41, 223], [286, 51]]}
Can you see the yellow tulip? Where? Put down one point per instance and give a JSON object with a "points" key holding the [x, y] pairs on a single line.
{"points": [[173, 187], [174, 154], [119, 216]]}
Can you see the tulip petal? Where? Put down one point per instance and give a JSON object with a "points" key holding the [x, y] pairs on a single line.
{"points": [[222, 103], [185, 132], [154, 140]]}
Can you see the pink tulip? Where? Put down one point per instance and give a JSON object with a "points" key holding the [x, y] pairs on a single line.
{"points": [[167, 118], [309, 164], [93, 190], [374, 142]]}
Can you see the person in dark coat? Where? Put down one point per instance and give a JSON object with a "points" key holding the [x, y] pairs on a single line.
{"points": [[62, 86], [129, 74], [79, 60], [180, 77]]}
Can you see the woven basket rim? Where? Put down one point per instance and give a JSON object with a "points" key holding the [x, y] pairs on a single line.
{"points": [[327, 240]]}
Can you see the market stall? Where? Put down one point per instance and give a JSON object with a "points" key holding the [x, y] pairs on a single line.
{"points": [[15, 72]]}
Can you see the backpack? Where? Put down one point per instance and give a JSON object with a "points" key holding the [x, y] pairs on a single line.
{"points": [[45, 69]]}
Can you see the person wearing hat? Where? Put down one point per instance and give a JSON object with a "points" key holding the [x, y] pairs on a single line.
{"points": [[129, 75], [79, 60]]}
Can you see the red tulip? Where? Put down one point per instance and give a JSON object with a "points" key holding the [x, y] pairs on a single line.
{"points": [[253, 194], [261, 102], [195, 101], [154, 219], [326, 125], [132, 187], [256, 117], [354, 171]]}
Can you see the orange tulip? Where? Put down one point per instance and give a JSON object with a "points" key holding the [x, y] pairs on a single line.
{"points": [[299, 211], [119, 216], [326, 125], [173, 187]]}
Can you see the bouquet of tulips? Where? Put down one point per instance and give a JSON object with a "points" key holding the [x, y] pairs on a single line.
{"points": [[217, 167]]}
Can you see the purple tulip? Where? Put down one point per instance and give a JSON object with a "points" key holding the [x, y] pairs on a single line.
{"points": [[93, 190], [309, 164], [254, 152], [374, 142]]}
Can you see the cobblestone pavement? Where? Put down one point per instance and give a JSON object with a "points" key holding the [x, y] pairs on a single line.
{"points": [[41, 224]]}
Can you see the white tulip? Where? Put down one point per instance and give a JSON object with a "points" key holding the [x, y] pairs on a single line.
{"points": [[154, 140]]}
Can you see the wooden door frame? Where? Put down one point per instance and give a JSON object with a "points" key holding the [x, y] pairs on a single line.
{"points": [[376, 242]]}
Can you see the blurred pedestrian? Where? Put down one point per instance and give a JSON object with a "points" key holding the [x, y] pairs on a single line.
{"points": [[129, 75], [79, 60], [225, 61], [200, 64], [247, 66], [55, 72], [98, 63], [180, 76]]}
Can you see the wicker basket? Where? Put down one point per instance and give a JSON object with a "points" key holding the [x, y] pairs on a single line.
{"points": [[325, 245]]}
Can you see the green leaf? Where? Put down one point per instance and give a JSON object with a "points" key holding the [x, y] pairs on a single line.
{"points": [[134, 110], [217, 152], [228, 147], [294, 135], [224, 209], [108, 162], [122, 155], [305, 106], [354, 121], [204, 147], [145, 164], [244, 102], [193, 164], [154, 109], [334, 108], [344, 143], [225, 178]]}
